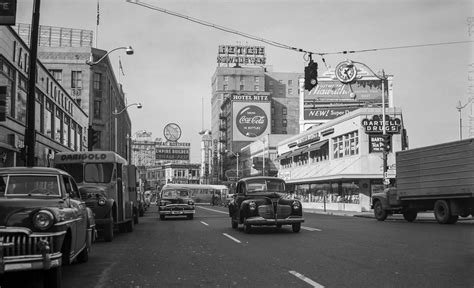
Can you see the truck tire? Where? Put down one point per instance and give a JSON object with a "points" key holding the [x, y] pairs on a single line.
{"points": [[410, 215], [442, 211], [379, 213]]}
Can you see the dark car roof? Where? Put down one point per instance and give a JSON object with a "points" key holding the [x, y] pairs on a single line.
{"points": [[32, 170]]}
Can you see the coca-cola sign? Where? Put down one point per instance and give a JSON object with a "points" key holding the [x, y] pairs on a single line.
{"points": [[251, 121]]}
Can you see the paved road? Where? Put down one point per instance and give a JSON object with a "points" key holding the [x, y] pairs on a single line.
{"points": [[330, 251]]}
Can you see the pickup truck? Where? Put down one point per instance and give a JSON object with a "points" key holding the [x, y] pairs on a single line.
{"points": [[437, 178]]}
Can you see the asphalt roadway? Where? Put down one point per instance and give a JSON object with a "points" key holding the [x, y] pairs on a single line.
{"points": [[329, 251]]}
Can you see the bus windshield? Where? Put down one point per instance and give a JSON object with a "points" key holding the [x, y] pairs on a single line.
{"points": [[74, 169], [98, 172]]}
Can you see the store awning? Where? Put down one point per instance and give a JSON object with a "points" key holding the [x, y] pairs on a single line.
{"points": [[297, 152], [284, 155], [316, 146]]}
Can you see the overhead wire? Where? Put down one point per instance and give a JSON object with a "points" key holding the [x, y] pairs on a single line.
{"points": [[282, 45]]}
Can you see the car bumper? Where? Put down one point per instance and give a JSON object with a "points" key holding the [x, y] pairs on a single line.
{"points": [[272, 221], [30, 262], [177, 211]]}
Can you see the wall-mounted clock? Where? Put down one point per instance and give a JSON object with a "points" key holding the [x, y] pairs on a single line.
{"points": [[172, 132]]}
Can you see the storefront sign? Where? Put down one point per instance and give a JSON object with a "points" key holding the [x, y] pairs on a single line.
{"points": [[8, 12], [250, 98], [375, 125], [376, 143], [326, 113], [308, 139], [238, 54], [251, 121]]}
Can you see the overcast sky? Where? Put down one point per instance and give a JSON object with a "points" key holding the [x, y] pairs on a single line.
{"points": [[170, 72]]}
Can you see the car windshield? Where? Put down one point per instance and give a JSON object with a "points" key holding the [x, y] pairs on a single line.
{"points": [[265, 185], [175, 193], [98, 172], [33, 185]]}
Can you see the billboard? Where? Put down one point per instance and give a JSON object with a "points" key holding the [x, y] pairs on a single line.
{"points": [[172, 151], [251, 120], [360, 90], [241, 54]]}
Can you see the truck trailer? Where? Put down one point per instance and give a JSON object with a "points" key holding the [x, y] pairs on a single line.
{"points": [[438, 178]]}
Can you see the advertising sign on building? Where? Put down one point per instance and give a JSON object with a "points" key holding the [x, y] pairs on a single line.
{"points": [[7, 12], [172, 151], [326, 113], [251, 120], [375, 124], [377, 144], [241, 54], [335, 91]]}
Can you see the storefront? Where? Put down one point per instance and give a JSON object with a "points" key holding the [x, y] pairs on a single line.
{"points": [[338, 165]]}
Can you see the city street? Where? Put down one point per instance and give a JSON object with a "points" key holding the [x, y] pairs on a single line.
{"points": [[330, 251]]}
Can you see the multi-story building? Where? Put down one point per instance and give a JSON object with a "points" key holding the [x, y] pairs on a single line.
{"points": [[61, 123], [65, 52], [249, 102]]}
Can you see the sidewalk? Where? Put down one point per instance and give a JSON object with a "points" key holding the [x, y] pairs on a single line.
{"points": [[370, 214]]}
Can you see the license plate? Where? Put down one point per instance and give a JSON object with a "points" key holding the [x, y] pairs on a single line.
{"points": [[176, 212]]}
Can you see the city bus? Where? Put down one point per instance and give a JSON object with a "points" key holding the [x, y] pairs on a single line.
{"points": [[203, 193], [103, 181]]}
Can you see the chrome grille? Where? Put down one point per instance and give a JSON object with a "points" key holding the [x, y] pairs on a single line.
{"points": [[266, 211], [91, 204], [20, 244], [283, 211]]}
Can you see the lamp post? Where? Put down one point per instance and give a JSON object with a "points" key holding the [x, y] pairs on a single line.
{"points": [[91, 62], [237, 164], [115, 113], [346, 74], [249, 134], [460, 107]]}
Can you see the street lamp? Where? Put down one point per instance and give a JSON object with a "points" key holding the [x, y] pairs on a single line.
{"points": [[115, 113], [349, 64], [91, 62], [249, 134], [236, 155], [460, 107]]}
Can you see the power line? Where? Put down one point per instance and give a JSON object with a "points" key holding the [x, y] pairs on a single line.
{"points": [[284, 46]]}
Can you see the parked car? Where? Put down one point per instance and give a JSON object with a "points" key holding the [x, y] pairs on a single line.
{"points": [[43, 222], [228, 199], [260, 201], [175, 202]]}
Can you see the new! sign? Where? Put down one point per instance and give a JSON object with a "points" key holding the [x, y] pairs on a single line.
{"points": [[375, 125]]}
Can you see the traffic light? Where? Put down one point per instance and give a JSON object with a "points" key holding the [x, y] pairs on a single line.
{"points": [[92, 137], [311, 75], [387, 143]]}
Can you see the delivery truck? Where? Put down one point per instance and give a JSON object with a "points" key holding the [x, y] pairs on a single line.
{"points": [[438, 178]]}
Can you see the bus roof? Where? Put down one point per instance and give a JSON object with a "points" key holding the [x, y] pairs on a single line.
{"points": [[195, 186], [89, 157]]}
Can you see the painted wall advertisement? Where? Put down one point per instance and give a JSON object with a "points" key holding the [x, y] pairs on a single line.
{"points": [[251, 120]]}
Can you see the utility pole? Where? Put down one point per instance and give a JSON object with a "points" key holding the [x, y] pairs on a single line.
{"points": [[30, 132]]}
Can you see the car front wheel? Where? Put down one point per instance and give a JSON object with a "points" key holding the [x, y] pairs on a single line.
{"points": [[296, 227]]}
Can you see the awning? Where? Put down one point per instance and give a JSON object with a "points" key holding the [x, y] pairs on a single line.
{"points": [[284, 155], [297, 152], [316, 146]]}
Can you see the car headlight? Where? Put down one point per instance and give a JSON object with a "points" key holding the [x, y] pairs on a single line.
{"points": [[43, 219], [252, 205], [101, 201], [190, 202], [296, 205], [162, 203]]}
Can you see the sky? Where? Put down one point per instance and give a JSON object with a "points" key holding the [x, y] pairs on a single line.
{"points": [[170, 72]]}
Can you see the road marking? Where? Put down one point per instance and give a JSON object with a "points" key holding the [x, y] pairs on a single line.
{"points": [[204, 223], [306, 279], [230, 237], [218, 211], [310, 229]]}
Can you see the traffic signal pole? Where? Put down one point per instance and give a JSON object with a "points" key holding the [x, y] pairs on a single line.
{"points": [[30, 133]]}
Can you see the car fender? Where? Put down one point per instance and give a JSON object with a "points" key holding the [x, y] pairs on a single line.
{"points": [[382, 197]]}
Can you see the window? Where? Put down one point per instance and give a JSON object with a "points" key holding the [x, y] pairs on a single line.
{"points": [[284, 122], [76, 79], [20, 101], [97, 109], [48, 119], [270, 83], [257, 87], [226, 78], [241, 87], [346, 145], [290, 91], [66, 132], [226, 87], [57, 74], [284, 111], [39, 112], [241, 78], [257, 79], [57, 126], [97, 81], [290, 82]]}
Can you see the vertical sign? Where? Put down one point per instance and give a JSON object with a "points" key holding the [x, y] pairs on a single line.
{"points": [[7, 12]]}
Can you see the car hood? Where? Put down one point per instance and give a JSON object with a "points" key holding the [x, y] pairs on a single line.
{"points": [[18, 211]]}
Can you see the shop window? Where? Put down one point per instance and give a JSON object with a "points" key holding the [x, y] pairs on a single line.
{"points": [[346, 145], [20, 101], [48, 119]]}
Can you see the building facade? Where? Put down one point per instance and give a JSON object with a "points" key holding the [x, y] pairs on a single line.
{"points": [[61, 123], [65, 53]]}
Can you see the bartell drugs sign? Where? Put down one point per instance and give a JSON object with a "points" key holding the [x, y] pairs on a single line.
{"points": [[375, 125]]}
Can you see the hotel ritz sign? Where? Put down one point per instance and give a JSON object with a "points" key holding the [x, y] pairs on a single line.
{"points": [[375, 125], [239, 54]]}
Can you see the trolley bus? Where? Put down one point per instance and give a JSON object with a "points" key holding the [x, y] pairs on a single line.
{"points": [[202, 193], [103, 180]]}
